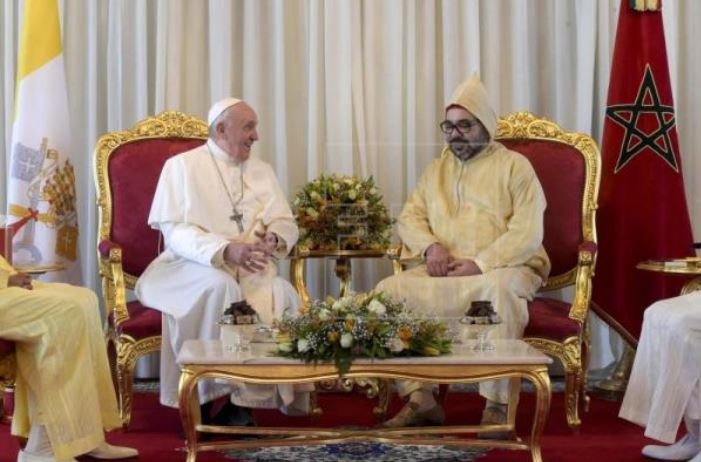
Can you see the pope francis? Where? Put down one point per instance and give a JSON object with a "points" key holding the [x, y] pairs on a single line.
{"points": [[64, 397], [225, 220], [476, 216]]}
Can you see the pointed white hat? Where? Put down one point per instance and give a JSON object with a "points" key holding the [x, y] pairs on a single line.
{"points": [[472, 95], [219, 107]]}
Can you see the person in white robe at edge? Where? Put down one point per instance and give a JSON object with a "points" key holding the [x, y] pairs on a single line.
{"points": [[225, 220], [476, 216], [664, 383]]}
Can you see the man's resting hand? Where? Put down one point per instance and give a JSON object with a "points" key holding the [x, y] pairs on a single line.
{"points": [[437, 260], [251, 257]]}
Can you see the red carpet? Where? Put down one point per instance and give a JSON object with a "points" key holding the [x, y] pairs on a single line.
{"points": [[602, 438]]}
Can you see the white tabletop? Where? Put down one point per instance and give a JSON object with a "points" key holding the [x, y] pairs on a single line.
{"points": [[505, 352]]}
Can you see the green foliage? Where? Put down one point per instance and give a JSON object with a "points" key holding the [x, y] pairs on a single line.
{"points": [[371, 325], [342, 212]]}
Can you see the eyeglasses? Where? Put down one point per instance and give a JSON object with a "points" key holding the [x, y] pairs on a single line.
{"points": [[462, 126]]}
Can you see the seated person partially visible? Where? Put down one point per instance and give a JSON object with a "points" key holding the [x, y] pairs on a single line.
{"points": [[64, 396], [664, 383]]}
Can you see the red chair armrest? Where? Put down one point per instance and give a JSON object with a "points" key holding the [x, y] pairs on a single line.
{"points": [[588, 246], [105, 247]]}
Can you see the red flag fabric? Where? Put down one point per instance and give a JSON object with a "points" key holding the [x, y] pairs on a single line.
{"points": [[642, 208]]}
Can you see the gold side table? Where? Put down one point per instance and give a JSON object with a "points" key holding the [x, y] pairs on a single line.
{"points": [[342, 269], [689, 266]]}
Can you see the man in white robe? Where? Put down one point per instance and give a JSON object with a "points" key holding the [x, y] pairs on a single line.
{"points": [[64, 396], [664, 383], [476, 216], [224, 219]]}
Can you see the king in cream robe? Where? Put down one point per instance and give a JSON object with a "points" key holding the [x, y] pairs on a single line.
{"points": [[190, 283], [664, 382], [489, 209], [63, 376]]}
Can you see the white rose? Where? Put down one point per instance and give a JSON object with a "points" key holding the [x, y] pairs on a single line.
{"points": [[285, 347], [346, 340], [302, 345], [377, 307], [314, 195], [395, 345], [312, 212], [352, 194], [324, 314]]}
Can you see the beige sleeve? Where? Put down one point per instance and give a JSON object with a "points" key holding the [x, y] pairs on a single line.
{"points": [[524, 234], [412, 225]]}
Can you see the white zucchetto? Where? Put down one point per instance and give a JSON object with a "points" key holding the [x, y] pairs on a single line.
{"points": [[219, 107]]}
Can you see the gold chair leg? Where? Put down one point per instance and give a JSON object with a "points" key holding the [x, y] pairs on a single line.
{"points": [[572, 387], [126, 362]]}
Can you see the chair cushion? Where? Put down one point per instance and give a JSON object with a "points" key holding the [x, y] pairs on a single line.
{"points": [[561, 171], [143, 322], [134, 169], [548, 319]]}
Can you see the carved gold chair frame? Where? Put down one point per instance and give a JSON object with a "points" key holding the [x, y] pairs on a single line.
{"points": [[8, 369], [115, 281], [573, 351]]}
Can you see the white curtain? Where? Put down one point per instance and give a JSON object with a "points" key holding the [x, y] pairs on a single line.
{"points": [[347, 86]]}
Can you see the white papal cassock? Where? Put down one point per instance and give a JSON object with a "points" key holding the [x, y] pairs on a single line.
{"points": [[664, 382], [191, 284]]}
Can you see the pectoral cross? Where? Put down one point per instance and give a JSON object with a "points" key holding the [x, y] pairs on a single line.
{"points": [[238, 218]]}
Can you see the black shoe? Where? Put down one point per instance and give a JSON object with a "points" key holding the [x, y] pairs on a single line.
{"points": [[231, 415]]}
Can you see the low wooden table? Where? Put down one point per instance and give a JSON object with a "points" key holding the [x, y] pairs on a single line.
{"points": [[510, 359]]}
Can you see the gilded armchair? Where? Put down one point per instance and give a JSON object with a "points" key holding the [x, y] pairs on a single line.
{"points": [[127, 166], [568, 167]]}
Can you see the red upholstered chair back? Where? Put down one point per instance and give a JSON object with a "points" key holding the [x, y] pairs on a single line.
{"points": [[128, 165], [560, 169], [134, 169], [567, 167]]}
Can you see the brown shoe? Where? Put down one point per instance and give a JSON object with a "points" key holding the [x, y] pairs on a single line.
{"points": [[493, 416], [410, 416]]}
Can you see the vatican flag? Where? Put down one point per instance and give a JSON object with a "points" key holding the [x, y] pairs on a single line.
{"points": [[41, 192]]}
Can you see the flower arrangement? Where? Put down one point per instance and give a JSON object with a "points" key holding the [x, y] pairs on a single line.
{"points": [[342, 212], [369, 325]]}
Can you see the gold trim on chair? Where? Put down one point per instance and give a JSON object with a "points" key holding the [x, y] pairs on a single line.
{"points": [[573, 351], [115, 281], [8, 367]]}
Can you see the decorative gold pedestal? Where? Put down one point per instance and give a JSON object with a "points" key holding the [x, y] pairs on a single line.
{"points": [[342, 269], [613, 387]]}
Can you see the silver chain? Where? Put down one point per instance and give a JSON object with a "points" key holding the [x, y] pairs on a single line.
{"points": [[221, 178]]}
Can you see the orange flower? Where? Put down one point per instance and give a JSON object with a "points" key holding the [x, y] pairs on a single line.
{"points": [[332, 336], [348, 324], [404, 333]]}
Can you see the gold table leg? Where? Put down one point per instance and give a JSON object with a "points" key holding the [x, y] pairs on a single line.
{"points": [[344, 273]]}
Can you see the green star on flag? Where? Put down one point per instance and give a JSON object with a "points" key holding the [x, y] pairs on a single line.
{"points": [[645, 132]]}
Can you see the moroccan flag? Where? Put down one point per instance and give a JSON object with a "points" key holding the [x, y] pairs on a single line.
{"points": [[642, 211], [41, 188]]}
